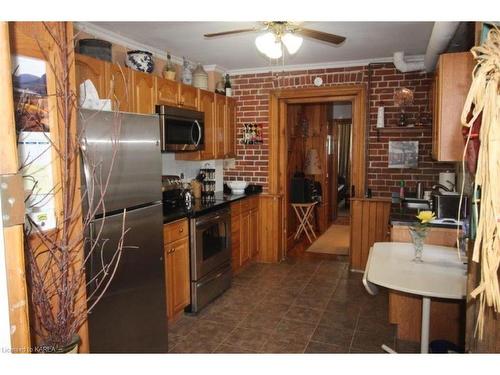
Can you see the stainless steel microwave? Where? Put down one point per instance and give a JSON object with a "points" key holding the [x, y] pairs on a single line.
{"points": [[181, 129]]}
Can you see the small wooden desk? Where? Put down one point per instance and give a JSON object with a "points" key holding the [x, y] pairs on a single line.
{"points": [[305, 212]]}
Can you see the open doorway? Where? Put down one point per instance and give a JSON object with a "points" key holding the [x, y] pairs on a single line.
{"points": [[319, 140], [341, 156]]}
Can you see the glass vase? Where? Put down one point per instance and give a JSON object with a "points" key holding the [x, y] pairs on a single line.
{"points": [[418, 235]]}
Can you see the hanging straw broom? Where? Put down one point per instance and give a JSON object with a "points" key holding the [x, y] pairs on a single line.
{"points": [[483, 97]]}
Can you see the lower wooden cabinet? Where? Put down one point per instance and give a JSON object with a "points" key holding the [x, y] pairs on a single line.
{"points": [[176, 268], [244, 236]]}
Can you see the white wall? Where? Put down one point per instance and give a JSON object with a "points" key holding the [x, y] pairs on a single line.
{"points": [[191, 169]]}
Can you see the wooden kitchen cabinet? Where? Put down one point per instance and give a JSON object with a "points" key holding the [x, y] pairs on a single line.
{"points": [[111, 80], [244, 226], [176, 94], [254, 226], [176, 252], [93, 69], [167, 91], [188, 96], [144, 93], [245, 238], [120, 87], [235, 240], [451, 84]]}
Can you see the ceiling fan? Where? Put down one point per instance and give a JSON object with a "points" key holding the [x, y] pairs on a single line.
{"points": [[279, 33]]}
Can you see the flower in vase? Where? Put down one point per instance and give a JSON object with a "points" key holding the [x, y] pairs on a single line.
{"points": [[426, 217], [418, 232]]}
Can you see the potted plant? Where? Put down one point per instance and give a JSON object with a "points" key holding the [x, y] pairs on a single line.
{"points": [[55, 258], [169, 69]]}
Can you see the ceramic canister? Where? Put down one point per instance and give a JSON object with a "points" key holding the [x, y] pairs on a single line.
{"points": [[200, 78], [141, 61]]}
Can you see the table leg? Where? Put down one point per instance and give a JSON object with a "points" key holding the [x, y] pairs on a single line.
{"points": [[426, 321], [309, 218], [301, 225]]}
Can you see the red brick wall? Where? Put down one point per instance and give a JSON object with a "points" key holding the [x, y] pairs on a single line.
{"points": [[252, 94]]}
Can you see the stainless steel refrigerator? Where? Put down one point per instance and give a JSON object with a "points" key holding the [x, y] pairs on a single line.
{"points": [[131, 317]]}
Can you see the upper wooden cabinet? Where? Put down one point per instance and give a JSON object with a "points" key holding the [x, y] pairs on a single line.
{"points": [[450, 87], [120, 87], [188, 96], [94, 70], [176, 94], [132, 91], [168, 91], [144, 89], [111, 80]]}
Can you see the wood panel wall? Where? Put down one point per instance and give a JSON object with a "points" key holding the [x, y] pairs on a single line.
{"points": [[369, 224], [270, 224], [13, 236]]}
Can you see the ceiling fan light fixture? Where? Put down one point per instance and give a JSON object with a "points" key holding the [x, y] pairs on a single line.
{"points": [[268, 45], [292, 42]]}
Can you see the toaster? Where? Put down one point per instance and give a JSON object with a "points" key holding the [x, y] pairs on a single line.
{"points": [[445, 206]]}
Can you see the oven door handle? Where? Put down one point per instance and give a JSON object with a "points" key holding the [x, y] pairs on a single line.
{"points": [[210, 220]]}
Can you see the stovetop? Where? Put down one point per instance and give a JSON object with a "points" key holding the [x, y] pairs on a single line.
{"points": [[199, 208]]}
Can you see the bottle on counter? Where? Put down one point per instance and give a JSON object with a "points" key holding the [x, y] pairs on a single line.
{"points": [[401, 189], [227, 86]]}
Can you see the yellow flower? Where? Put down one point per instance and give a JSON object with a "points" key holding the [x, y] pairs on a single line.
{"points": [[426, 216]]}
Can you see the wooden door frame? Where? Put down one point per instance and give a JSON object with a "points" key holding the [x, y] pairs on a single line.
{"points": [[278, 141]]}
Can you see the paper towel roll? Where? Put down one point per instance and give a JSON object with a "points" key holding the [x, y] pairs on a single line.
{"points": [[447, 179]]}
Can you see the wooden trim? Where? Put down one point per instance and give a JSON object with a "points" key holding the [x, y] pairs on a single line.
{"points": [[13, 236], [278, 99]]}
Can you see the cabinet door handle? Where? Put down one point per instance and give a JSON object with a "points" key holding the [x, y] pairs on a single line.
{"points": [[172, 250], [181, 230]]}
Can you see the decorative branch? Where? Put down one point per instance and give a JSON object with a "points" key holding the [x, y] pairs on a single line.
{"points": [[56, 260]]}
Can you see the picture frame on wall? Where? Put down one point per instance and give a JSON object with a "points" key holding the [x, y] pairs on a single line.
{"points": [[403, 154]]}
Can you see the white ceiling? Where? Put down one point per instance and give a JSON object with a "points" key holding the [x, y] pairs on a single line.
{"points": [[365, 40]]}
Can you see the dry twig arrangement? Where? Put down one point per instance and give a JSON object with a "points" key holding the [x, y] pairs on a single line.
{"points": [[56, 261]]}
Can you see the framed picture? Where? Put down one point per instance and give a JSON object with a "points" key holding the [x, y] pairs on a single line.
{"points": [[403, 154], [31, 101]]}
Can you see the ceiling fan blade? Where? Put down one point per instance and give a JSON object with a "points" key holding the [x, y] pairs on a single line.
{"points": [[320, 35], [229, 32]]}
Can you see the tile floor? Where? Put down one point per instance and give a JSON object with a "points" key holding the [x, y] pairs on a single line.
{"points": [[299, 306]]}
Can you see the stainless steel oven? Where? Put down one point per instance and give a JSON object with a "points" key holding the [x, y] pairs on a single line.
{"points": [[210, 236], [181, 129]]}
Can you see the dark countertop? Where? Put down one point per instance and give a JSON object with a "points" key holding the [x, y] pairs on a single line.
{"points": [[407, 217], [171, 214]]}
